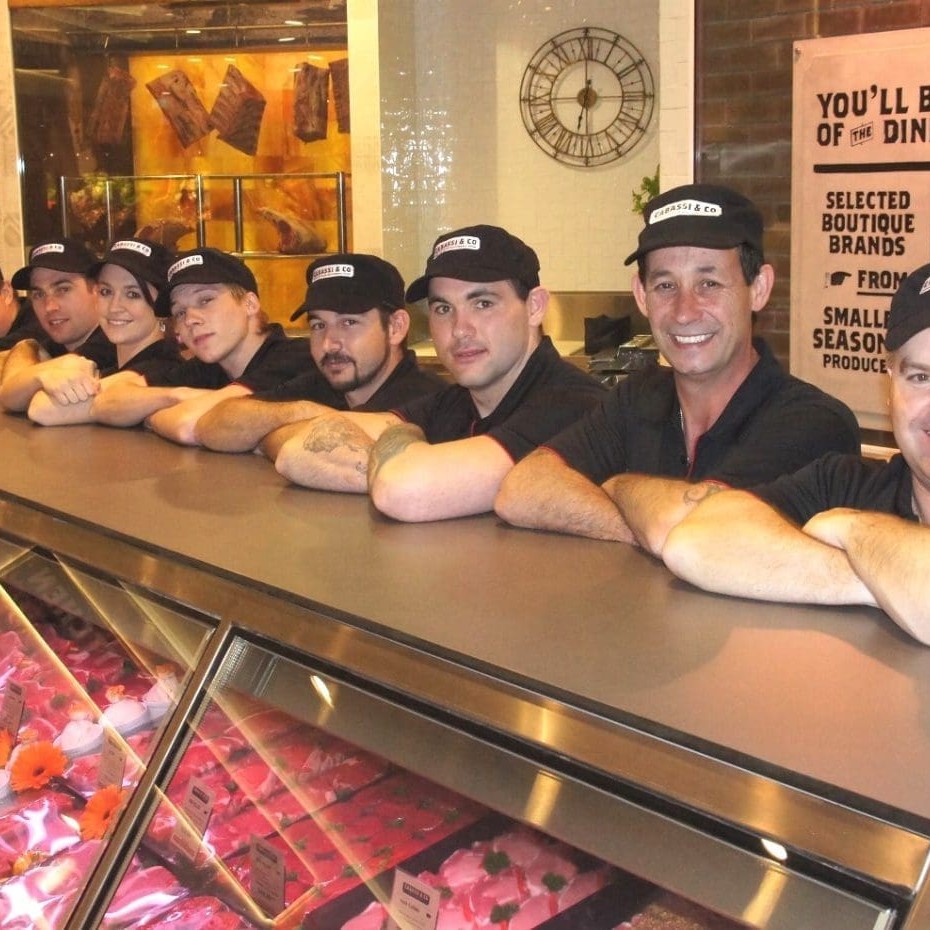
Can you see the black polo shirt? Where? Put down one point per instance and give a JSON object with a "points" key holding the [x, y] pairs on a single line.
{"points": [[276, 360], [843, 481], [773, 425], [547, 396], [96, 347], [161, 355], [406, 382]]}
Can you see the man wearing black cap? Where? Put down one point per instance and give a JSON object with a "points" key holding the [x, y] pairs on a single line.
{"points": [[213, 298], [65, 304], [445, 455], [358, 332], [723, 408], [842, 530]]}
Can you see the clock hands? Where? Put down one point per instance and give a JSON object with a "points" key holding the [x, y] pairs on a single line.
{"points": [[587, 97]]}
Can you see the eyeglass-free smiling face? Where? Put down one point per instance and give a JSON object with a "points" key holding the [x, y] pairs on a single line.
{"points": [[65, 304]]}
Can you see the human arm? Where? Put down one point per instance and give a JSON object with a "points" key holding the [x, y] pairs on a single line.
{"points": [[239, 424], [132, 400], [542, 492], [734, 543], [69, 379], [890, 555], [331, 451], [412, 480], [46, 412], [652, 506], [179, 421]]}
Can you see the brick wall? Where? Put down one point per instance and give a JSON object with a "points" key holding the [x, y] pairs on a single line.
{"points": [[743, 106]]}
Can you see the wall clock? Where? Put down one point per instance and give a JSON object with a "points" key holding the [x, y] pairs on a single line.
{"points": [[587, 96]]}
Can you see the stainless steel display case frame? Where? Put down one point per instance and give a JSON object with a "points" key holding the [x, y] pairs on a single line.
{"points": [[699, 826]]}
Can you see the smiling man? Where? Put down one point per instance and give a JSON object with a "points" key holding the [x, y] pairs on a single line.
{"points": [[74, 347], [444, 455], [843, 530], [723, 408], [358, 341]]}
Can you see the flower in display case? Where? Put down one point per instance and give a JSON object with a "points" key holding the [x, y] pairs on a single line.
{"points": [[36, 764], [100, 812]]}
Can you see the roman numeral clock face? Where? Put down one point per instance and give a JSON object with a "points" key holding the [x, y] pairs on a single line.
{"points": [[587, 97]]}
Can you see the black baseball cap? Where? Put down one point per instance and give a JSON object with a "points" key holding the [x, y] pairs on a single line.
{"points": [[66, 254], [910, 309], [145, 259], [478, 253], [351, 282], [708, 216], [207, 266]]}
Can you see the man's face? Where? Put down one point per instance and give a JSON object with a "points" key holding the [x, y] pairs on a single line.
{"points": [[8, 307], [484, 333], [65, 304], [700, 310], [211, 322], [910, 406], [351, 349]]}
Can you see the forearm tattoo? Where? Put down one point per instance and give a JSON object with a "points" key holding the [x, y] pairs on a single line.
{"points": [[695, 493], [391, 443], [338, 434]]}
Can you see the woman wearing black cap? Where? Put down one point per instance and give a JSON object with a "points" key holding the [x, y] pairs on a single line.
{"points": [[129, 279]]}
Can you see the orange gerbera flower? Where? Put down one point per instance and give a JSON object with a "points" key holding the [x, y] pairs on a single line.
{"points": [[100, 812], [35, 765], [6, 744]]}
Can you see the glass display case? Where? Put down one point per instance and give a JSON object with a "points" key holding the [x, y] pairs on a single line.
{"points": [[337, 781], [91, 672]]}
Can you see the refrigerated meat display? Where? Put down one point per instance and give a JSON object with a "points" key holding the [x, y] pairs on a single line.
{"points": [[515, 728]]}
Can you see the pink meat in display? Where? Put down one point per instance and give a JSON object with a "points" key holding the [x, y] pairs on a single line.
{"points": [[489, 884], [197, 913], [143, 893], [37, 831], [44, 896]]}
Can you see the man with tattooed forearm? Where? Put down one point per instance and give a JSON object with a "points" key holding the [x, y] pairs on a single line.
{"points": [[842, 530], [445, 455]]}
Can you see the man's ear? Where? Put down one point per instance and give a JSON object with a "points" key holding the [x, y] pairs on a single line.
{"points": [[252, 304], [537, 302], [398, 326], [762, 287]]}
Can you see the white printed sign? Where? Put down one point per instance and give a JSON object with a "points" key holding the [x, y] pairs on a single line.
{"points": [[860, 218]]}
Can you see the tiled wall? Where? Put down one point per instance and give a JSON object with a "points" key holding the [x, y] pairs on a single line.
{"points": [[455, 151]]}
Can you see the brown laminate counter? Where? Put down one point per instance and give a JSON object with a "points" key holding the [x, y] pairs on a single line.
{"points": [[838, 697]]}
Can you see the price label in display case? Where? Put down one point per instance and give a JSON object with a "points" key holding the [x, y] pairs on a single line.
{"points": [[414, 904], [112, 760], [268, 876], [197, 808], [11, 712]]}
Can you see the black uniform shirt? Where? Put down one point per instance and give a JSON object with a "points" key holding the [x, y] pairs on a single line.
{"points": [[842, 481], [773, 425], [276, 360], [159, 356], [96, 347], [406, 382], [548, 394]]}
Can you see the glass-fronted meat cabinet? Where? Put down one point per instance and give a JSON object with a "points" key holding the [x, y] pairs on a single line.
{"points": [[182, 750]]}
